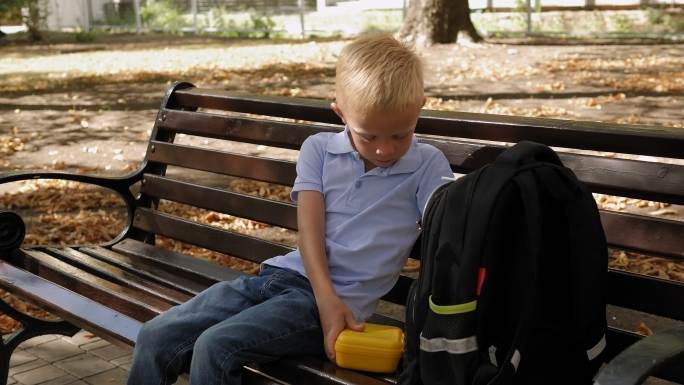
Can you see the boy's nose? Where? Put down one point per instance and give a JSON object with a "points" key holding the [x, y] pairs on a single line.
{"points": [[384, 149]]}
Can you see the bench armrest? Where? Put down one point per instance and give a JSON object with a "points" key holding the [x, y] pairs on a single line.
{"points": [[12, 231], [118, 184], [121, 185], [645, 357]]}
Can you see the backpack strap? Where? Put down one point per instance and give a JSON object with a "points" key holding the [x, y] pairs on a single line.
{"points": [[527, 187]]}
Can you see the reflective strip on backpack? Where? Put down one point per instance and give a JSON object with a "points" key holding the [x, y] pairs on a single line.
{"points": [[453, 309], [515, 360], [441, 344], [492, 356], [597, 349]]}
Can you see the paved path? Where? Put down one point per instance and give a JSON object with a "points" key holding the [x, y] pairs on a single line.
{"points": [[81, 360], [86, 360]]}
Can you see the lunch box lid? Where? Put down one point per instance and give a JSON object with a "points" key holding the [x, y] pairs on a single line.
{"points": [[374, 340]]}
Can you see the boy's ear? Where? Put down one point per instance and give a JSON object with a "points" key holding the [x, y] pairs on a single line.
{"points": [[338, 111]]}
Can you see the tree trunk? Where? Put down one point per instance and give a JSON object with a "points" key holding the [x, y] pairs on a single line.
{"points": [[438, 21], [35, 19]]}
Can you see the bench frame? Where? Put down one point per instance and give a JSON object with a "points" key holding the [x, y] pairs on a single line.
{"points": [[178, 112]]}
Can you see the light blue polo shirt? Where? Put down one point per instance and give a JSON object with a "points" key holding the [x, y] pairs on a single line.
{"points": [[370, 217]]}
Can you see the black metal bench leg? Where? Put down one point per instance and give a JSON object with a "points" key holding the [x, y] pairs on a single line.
{"points": [[31, 327]]}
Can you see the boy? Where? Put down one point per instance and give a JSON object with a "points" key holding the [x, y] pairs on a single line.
{"points": [[360, 194]]}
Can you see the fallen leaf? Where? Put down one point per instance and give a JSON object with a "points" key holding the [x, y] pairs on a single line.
{"points": [[644, 330]]}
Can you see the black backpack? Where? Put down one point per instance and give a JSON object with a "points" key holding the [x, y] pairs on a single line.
{"points": [[512, 281]]}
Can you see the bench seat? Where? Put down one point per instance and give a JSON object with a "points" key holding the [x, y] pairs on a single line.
{"points": [[112, 292]]}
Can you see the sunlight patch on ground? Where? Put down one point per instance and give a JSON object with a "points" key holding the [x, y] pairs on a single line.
{"points": [[167, 59]]}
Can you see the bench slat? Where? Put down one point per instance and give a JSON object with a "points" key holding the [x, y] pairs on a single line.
{"points": [[224, 241], [622, 177], [281, 214], [204, 272], [317, 371], [639, 179], [642, 140], [646, 234], [75, 308], [256, 131], [117, 275], [646, 294], [221, 162], [314, 110], [633, 139], [141, 266], [122, 299], [629, 178], [253, 376]]}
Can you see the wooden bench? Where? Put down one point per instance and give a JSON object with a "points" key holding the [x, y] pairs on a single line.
{"points": [[111, 289]]}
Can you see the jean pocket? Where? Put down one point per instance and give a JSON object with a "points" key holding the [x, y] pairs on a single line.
{"points": [[448, 344]]}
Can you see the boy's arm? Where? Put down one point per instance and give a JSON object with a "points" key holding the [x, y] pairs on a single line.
{"points": [[334, 314]]}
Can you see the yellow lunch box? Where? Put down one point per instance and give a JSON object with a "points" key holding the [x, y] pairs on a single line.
{"points": [[376, 349]]}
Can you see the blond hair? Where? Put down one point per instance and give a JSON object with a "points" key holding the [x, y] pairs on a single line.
{"points": [[377, 72]]}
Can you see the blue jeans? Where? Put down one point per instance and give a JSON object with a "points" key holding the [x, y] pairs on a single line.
{"points": [[249, 319]]}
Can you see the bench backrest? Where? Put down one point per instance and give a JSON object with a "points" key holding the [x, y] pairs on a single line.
{"points": [[184, 111]]}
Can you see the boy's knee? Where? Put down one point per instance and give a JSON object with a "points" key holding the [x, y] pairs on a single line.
{"points": [[210, 355], [150, 331], [208, 347], [152, 335], [214, 346]]}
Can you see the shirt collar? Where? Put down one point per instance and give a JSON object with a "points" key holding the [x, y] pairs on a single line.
{"points": [[340, 143], [409, 162]]}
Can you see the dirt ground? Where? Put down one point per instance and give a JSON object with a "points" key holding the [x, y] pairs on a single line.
{"points": [[93, 105]]}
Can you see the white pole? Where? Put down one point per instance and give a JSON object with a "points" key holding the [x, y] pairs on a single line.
{"points": [[529, 17], [88, 16], [138, 21], [194, 14], [320, 5], [301, 17]]}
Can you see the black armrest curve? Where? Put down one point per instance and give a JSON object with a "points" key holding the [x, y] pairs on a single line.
{"points": [[12, 231], [645, 357], [120, 184]]}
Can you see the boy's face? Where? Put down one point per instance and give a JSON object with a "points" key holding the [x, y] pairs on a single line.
{"points": [[380, 137]]}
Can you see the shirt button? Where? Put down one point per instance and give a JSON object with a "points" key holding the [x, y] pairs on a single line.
{"points": [[357, 184]]}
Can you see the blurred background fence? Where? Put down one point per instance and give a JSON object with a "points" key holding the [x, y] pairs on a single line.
{"points": [[295, 18]]}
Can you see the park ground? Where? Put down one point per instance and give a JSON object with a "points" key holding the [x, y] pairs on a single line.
{"points": [[91, 107]]}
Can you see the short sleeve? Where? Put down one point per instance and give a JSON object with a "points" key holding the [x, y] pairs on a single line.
{"points": [[434, 171], [310, 166]]}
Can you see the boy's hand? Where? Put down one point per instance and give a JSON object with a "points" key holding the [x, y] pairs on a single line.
{"points": [[335, 317]]}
